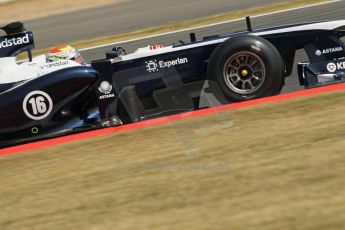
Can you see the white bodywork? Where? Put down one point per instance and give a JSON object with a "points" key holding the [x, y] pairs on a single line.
{"points": [[11, 71], [146, 52]]}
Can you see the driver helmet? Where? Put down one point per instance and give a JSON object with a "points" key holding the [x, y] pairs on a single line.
{"points": [[65, 52]]}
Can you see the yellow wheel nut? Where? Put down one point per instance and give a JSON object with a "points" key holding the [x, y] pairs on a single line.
{"points": [[244, 73]]}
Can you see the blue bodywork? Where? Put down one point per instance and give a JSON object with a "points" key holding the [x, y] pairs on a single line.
{"points": [[84, 97]]}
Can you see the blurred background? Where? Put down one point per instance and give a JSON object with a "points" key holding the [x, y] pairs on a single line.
{"points": [[65, 21], [279, 167]]}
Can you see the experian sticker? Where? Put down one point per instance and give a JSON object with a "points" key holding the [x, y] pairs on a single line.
{"points": [[155, 66]]}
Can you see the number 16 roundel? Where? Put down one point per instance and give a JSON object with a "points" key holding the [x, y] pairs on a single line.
{"points": [[37, 105]]}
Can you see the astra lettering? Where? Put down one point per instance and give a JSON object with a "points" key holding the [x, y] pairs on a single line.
{"points": [[332, 50], [106, 96]]}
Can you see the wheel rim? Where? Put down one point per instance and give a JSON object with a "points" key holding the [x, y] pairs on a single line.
{"points": [[244, 72]]}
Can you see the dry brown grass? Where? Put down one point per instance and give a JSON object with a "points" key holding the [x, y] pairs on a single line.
{"points": [[280, 166]]}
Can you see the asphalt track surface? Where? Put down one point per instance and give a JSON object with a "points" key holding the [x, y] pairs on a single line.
{"points": [[127, 16], [331, 11]]}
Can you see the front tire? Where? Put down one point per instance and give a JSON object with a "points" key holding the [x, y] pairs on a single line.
{"points": [[247, 67]]}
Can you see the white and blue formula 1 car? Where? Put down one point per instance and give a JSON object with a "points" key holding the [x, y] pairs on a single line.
{"points": [[42, 100]]}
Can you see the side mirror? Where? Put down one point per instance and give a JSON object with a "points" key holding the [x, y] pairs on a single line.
{"points": [[30, 55], [14, 28]]}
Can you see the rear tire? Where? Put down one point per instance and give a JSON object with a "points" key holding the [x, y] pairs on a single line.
{"points": [[247, 67]]}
